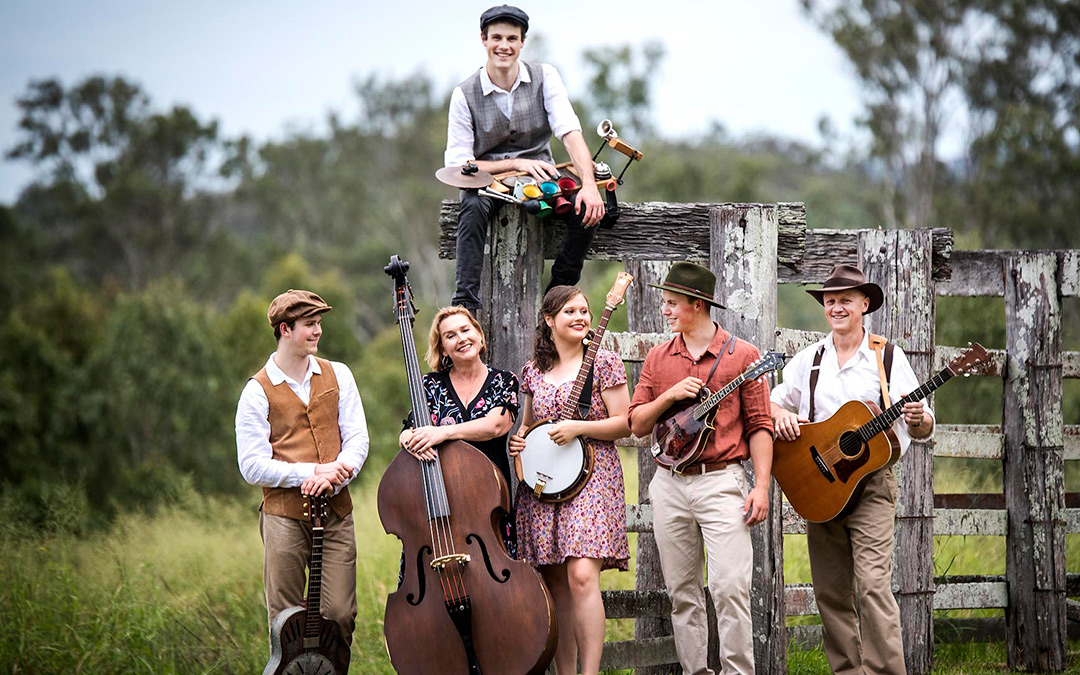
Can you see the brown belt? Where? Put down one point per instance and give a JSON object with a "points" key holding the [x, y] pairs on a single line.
{"points": [[702, 468]]}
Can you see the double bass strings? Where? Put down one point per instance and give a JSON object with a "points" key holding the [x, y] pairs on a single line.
{"points": [[436, 501]]}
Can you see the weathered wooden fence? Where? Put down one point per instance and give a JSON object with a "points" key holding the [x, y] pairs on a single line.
{"points": [[752, 248]]}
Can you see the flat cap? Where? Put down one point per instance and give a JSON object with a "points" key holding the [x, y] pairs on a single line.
{"points": [[292, 305], [505, 13]]}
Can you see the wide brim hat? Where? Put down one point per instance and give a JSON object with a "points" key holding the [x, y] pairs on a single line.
{"points": [[846, 278], [293, 304], [691, 280]]}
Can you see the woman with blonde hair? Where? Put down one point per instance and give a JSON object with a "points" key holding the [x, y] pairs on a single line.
{"points": [[573, 541], [469, 400]]}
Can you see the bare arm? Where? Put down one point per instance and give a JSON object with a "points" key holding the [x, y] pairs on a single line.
{"points": [[761, 453], [616, 400], [588, 196]]}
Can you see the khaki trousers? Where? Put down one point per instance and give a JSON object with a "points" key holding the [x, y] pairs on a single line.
{"points": [[287, 545], [851, 567], [692, 513]]}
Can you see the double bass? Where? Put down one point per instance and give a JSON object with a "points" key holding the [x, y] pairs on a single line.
{"points": [[465, 606]]}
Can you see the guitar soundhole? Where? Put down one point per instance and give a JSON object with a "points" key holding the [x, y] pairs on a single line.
{"points": [[850, 444]]}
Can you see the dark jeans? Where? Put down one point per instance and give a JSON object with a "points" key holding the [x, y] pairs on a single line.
{"points": [[472, 235]]}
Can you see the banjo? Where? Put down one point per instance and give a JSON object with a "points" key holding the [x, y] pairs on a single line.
{"points": [[556, 473]]}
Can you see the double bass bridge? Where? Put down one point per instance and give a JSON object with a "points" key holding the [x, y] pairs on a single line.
{"points": [[442, 561]]}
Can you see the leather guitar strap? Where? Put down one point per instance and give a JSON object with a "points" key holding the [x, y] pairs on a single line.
{"points": [[879, 345], [814, 370], [728, 348]]}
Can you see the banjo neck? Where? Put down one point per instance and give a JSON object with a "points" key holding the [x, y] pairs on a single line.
{"points": [[569, 409]]}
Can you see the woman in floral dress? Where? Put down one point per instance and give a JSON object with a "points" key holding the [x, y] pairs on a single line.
{"points": [[572, 541], [469, 401]]}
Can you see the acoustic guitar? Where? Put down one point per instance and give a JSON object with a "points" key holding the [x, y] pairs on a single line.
{"points": [[558, 472], [831, 461], [680, 435], [302, 640]]}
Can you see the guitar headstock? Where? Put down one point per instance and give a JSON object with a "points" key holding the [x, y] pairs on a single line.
{"points": [[766, 364], [316, 510], [617, 293], [404, 307], [968, 360]]}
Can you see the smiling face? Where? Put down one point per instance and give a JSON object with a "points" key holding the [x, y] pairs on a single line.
{"points": [[303, 338], [459, 339], [681, 311], [503, 43], [844, 310], [572, 321]]}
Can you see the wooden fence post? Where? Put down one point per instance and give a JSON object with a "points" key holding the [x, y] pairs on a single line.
{"points": [[1034, 464], [643, 316], [743, 248], [900, 262], [510, 288]]}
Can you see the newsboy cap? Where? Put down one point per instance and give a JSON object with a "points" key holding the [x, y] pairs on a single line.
{"points": [[292, 305], [505, 13]]}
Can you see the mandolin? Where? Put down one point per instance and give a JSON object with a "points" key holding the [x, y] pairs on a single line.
{"points": [[681, 433], [831, 461], [556, 473], [302, 641]]}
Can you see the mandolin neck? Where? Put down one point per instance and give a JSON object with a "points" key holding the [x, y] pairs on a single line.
{"points": [[569, 409], [893, 413], [705, 407]]}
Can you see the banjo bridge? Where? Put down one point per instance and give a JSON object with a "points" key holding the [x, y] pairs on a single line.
{"points": [[541, 482]]}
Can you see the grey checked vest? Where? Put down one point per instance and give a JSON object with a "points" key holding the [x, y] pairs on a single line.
{"points": [[526, 134]]}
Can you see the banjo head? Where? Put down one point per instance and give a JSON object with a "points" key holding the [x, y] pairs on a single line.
{"points": [[554, 473]]}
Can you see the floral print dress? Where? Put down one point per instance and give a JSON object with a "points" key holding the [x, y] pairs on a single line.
{"points": [[593, 523]]}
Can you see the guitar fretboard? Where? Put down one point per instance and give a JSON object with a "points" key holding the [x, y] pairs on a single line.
{"points": [[893, 413], [314, 594]]}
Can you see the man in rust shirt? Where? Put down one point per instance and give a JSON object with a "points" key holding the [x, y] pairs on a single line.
{"points": [[709, 504]]}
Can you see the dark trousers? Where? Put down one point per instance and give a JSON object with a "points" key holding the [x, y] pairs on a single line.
{"points": [[472, 235]]}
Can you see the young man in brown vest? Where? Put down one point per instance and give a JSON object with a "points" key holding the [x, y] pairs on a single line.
{"points": [[300, 430], [851, 555], [503, 117], [709, 504]]}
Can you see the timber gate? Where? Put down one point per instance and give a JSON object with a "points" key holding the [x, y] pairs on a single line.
{"points": [[752, 248]]}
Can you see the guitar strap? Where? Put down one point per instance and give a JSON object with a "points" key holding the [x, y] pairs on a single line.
{"points": [[728, 348], [879, 345]]}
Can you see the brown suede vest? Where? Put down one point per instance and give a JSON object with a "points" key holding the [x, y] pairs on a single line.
{"points": [[300, 433]]}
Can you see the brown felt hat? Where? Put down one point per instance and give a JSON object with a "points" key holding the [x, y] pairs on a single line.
{"points": [[849, 277], [292, 305], [691, 280]]}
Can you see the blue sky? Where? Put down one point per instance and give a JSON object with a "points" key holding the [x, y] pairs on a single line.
{"points": [[268, 67]]}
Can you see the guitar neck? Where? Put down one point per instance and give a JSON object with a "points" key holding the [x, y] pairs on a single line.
{"points": [[569, 409], [893, 413], [314, 594]]}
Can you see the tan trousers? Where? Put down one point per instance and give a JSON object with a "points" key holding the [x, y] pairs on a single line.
{"points": [[287, 544], [851, 566], [692, 513]]}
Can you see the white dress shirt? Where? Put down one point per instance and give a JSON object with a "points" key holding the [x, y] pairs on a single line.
{"points": [[858, 380], [459, 135], [253, 450]]}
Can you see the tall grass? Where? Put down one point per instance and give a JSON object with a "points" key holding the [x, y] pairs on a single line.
{"points": [[181, 592]]}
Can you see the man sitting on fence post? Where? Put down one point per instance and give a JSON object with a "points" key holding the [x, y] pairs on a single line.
{"points": [[503, 117], [708, 504], [851, 555]]}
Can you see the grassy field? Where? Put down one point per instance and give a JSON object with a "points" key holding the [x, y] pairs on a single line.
{"points": [[181, 592]]}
